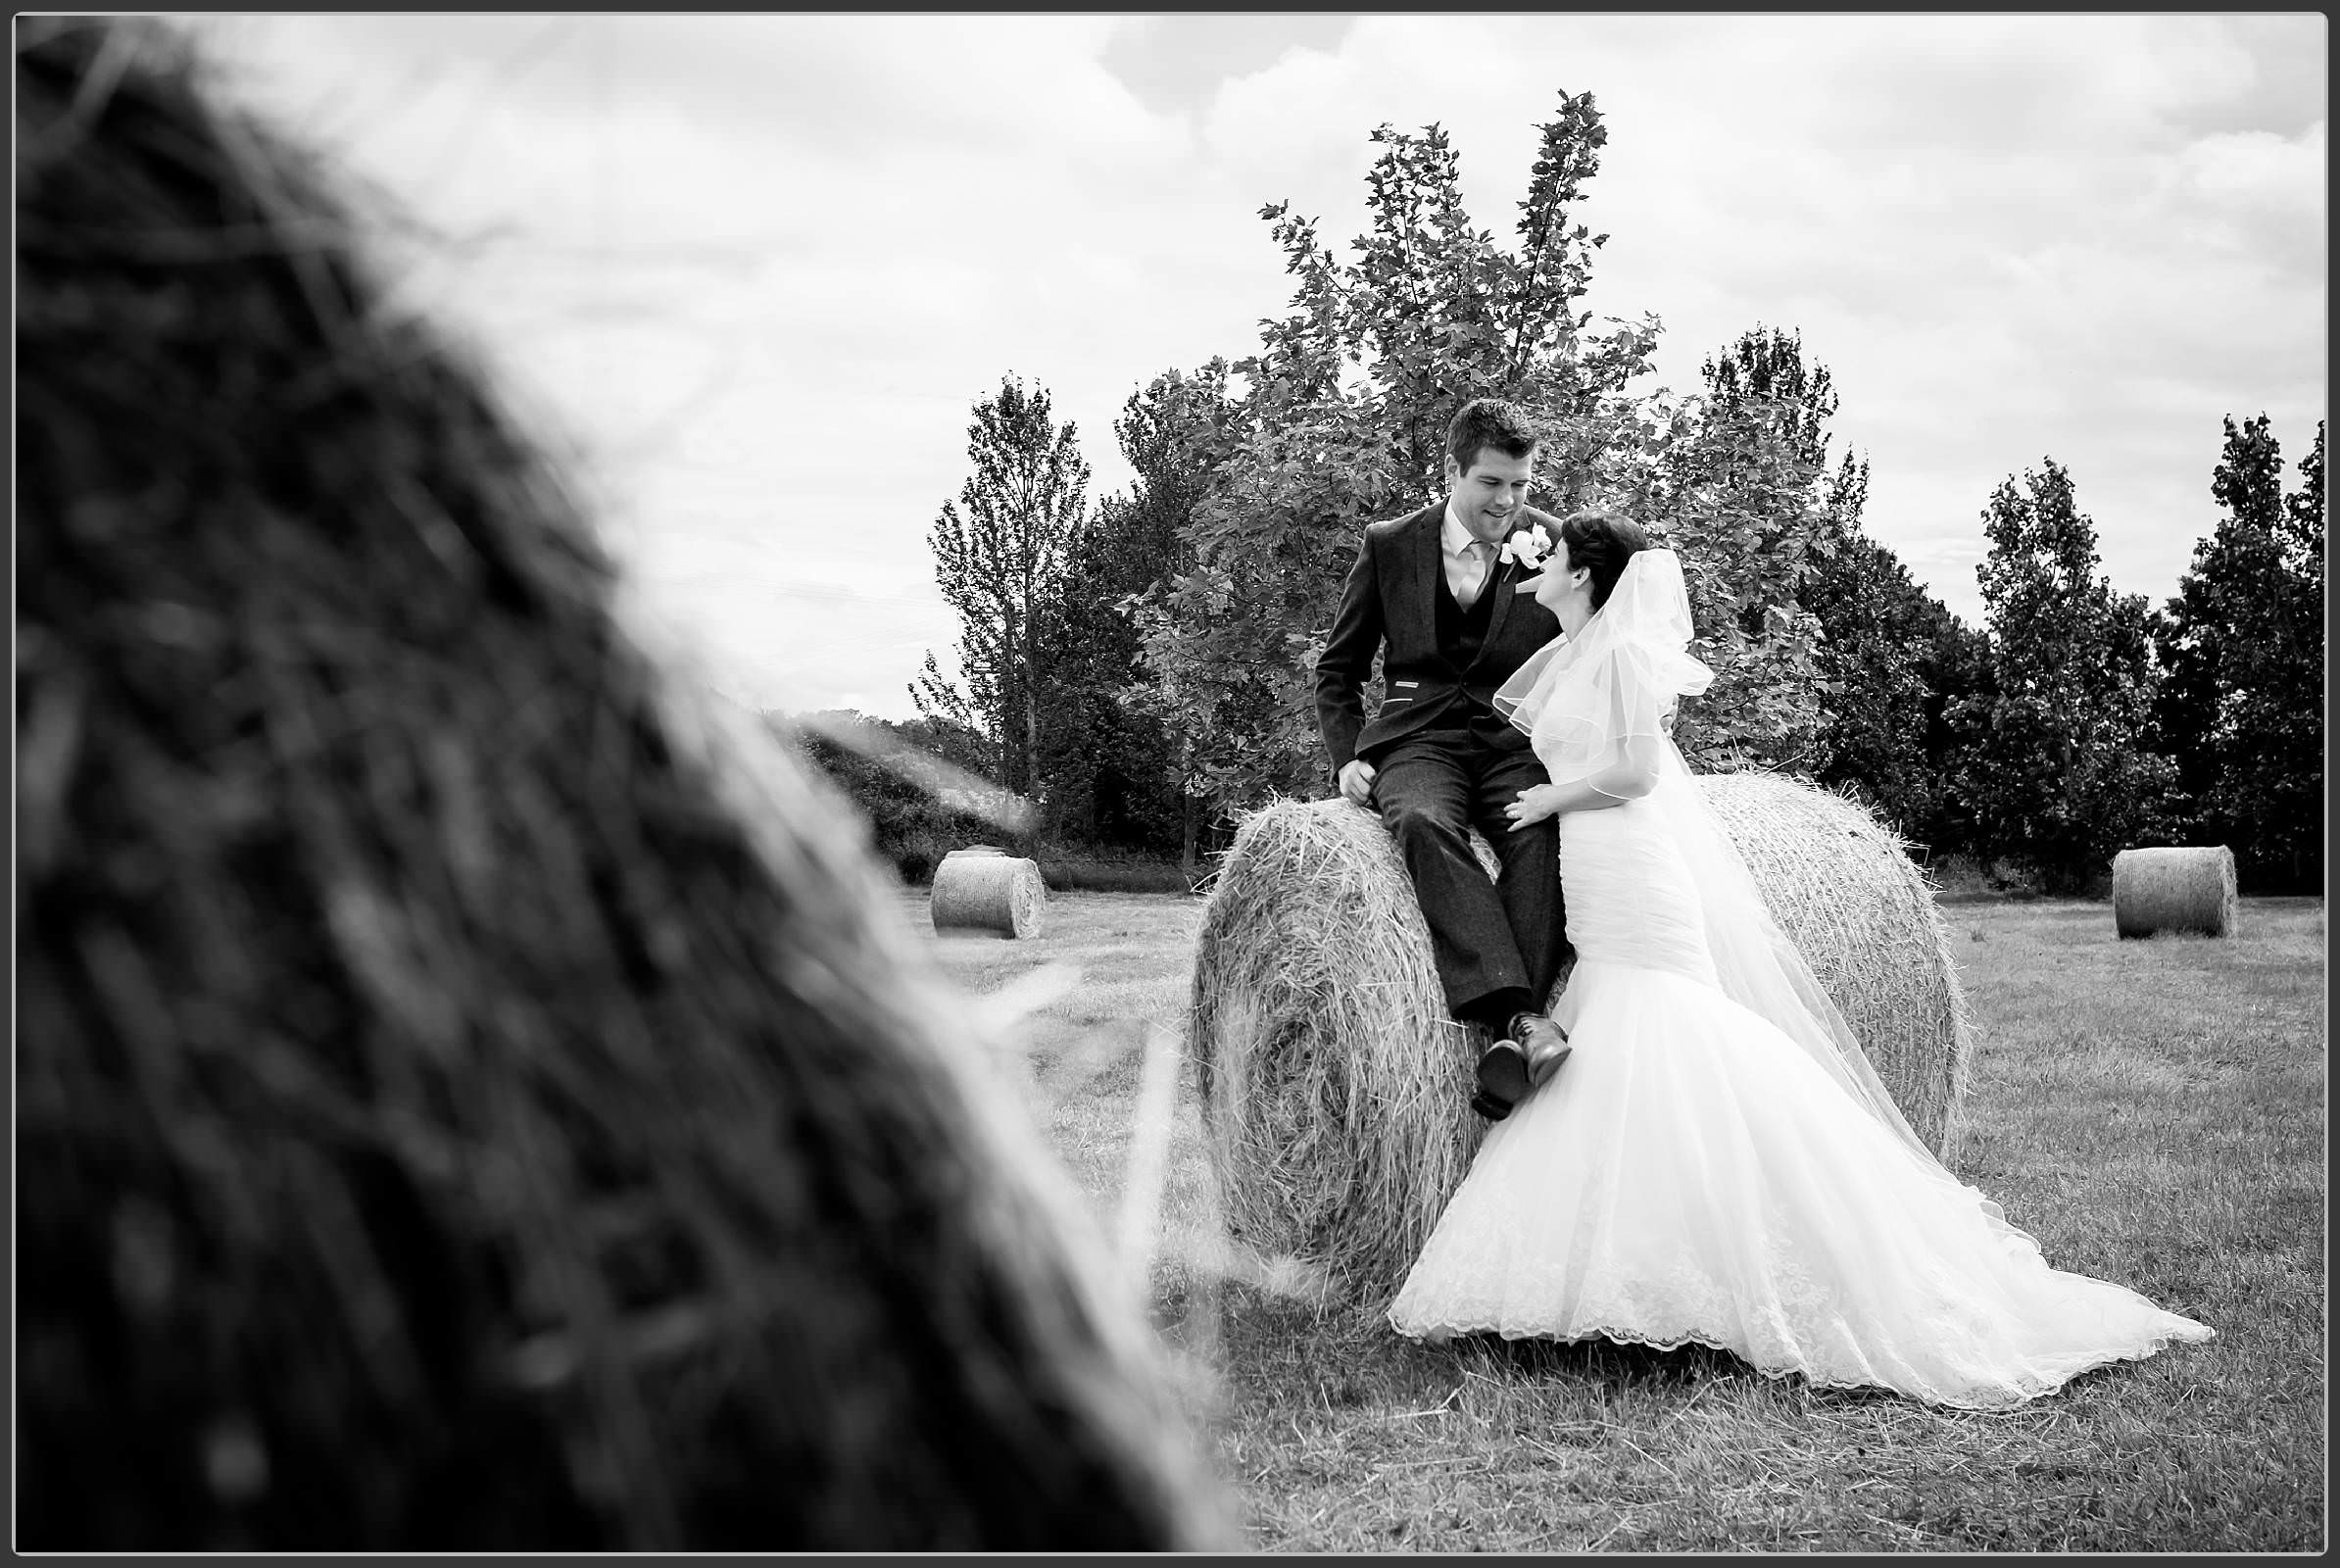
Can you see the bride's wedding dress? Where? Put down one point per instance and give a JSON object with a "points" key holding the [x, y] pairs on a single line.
{"points": [[1717, 1162]]}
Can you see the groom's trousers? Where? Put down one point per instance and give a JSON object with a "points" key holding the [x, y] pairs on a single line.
{"points": [[1499, 945]]}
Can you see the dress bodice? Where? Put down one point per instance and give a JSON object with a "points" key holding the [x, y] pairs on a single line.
{"points": [[1630, 898]]}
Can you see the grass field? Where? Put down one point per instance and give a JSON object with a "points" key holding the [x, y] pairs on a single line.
{"points": [[2153, 1111]]}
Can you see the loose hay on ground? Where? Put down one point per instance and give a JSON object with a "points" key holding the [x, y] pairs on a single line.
{"points": [[2183, 889], [1335, 1086], [467, 1097]]}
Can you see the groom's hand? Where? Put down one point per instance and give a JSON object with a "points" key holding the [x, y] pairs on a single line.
{"points": [[1356, 780]]}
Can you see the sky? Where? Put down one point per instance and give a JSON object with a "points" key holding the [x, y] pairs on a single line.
{"points": [[752, 273]]}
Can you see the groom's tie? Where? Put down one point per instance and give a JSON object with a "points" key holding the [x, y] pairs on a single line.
{"points": [[1482, 568]]}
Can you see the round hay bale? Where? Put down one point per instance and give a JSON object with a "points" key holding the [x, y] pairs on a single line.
{"points": [[1335, 1086], [1861, 912], [471, 1094], [2189, 888], [983, 889], [1331, 1076]]}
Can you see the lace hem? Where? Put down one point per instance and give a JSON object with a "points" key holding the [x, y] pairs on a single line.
{"points": [[2016, 1393]]}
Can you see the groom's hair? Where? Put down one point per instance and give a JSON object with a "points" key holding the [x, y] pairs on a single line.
{"points": [[1488, 423], [1602, 542]]}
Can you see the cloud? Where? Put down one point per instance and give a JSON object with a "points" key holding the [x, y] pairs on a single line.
{"points": [[762, 265], [2257, 193], [1177, 63], [2006, 84]]}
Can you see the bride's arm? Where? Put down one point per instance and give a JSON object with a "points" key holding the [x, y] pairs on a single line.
{"points": [[1633, 774], [1552, 800], [1630, 773]]}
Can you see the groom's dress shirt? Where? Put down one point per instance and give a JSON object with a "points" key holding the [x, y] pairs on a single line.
{"points": [[1469, 561]]}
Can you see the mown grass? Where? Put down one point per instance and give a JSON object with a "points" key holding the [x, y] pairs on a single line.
{"points": [[2153, 1111]]}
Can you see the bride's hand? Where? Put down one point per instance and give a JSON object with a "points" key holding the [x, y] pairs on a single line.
{"points": [[1532, 806]]}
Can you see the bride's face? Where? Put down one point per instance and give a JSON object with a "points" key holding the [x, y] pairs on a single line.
{"points": [[1564, 590]]}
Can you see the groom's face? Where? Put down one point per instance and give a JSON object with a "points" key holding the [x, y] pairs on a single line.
{"points": [[1488, 493]]}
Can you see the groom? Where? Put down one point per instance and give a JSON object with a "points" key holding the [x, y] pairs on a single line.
{"points": [[1434, 594]]}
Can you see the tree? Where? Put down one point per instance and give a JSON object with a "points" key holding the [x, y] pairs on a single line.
{"points": [[2242, 706], [1116, 768], [1746, 497], [1960, 679], [1896, 659], [2055, 764], [1343, 422], [1890, 658], [1000, 559]]}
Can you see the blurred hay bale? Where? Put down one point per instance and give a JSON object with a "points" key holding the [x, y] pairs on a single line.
{"points": [[985, 889], [2191, 887], [1335, 1086], [471, 1094]]}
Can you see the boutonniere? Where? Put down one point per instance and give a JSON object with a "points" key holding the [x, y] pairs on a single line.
{"points": [[1527, 547]]}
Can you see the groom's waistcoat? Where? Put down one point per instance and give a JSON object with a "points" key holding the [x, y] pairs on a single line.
{"points": [[1440, 671]]}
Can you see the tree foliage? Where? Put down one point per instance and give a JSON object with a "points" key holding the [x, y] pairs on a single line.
{"points": [[1343, 422], [911, 821], [2241, 708], [1746, 497], [1116, 766], [1868, 713], [1896, 660], [1000, 555], [1152, 662], [2056, 764]]}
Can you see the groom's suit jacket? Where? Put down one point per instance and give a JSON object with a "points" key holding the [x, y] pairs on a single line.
{"points": [[1391, 599]]}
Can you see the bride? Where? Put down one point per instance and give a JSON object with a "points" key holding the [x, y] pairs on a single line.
{"points": [[1718, 1162]]}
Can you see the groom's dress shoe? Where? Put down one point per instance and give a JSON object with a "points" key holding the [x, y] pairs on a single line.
{"points": [[1509, 1068], [1546, 1045], [1502, 1080]]}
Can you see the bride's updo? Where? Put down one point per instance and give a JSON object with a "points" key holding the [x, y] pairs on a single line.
{"points": [[1602, 542]]}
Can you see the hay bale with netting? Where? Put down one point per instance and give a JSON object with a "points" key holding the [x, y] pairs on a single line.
{"points": [[1335, 1086], [471, 1092], [2178, 889], [985, 889]]}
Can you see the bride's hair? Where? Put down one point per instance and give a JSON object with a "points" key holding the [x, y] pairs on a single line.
{"points": [[1601, 542]]}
